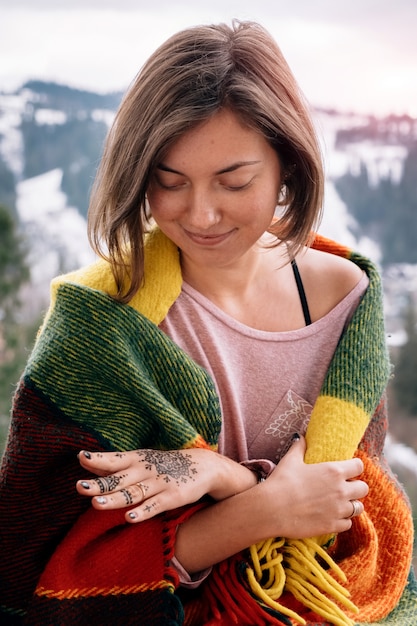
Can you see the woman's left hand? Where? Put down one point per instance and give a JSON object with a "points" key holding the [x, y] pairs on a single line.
{"points": [[154, 481]]}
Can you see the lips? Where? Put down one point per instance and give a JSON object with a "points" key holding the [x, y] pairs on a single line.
{"points": [[208, 239]]}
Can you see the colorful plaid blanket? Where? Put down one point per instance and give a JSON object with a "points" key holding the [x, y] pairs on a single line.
{"points": [[102, 376]]}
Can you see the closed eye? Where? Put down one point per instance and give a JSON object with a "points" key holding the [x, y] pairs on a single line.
{"points": [[170, 182], [237, 186]]}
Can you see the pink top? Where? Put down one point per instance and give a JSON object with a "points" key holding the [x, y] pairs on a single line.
{"points": [[267, 382]]}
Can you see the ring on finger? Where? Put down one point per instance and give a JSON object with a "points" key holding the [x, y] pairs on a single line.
{"points": [[143, 490], [356, 505]]}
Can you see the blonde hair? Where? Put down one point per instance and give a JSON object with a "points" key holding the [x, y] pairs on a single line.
{"points": [[189, 78]]}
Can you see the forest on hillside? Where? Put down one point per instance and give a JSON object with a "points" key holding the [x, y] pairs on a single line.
{"points": [[387, 212]]}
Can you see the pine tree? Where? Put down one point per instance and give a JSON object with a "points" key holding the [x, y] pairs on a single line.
{"points": [[13, 269], [14, 337]]}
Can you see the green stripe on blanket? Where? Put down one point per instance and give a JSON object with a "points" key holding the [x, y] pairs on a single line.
{"points": [[361, 361], [107, 366]]}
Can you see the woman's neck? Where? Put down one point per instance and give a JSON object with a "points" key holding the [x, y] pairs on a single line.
{"points": [[250, 291]]}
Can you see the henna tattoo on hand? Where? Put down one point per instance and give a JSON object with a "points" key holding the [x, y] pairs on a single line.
{"points": [[170, 465], [127, 496], [108, 483]]}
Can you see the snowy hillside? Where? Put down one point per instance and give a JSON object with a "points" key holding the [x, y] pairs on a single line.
{"points": [[38, 134], [381, 161], [11, 145], [57, 233]]}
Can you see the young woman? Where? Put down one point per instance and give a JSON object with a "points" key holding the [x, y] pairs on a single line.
{"points": [[222, 370]]}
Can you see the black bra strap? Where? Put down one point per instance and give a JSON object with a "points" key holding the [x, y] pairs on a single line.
{"points": [[301, 292]]}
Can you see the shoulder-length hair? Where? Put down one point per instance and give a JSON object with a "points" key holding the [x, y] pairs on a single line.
{"points": [[189, 78]]}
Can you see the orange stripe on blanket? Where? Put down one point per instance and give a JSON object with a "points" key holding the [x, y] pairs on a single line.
{"points": [[200, 442], [328, 245], [65, 594], [376, 553]]}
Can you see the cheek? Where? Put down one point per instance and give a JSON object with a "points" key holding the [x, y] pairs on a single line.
{"points": [[264, 204], [159, 206]]}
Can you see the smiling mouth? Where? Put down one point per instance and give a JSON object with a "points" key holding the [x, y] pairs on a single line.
{"points": [[207, 240]]}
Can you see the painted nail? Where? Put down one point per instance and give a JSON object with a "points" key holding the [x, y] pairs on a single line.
{"points": [[101, 500], [132, 515], [295, 437], [86, 454], [84, 484]]}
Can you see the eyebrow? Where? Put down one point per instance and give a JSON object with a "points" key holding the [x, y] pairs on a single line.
{"points": [[230, 168]]}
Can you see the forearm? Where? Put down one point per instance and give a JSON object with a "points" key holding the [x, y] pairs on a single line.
{"points": [[220, 530], [297, 500]]}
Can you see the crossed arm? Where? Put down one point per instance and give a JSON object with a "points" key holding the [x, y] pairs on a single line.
{"points": [[297, 500]]}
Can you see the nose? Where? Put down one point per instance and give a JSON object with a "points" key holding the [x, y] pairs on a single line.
{"points": [[203, 212]]}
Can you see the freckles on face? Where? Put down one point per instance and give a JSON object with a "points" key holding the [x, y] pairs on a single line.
{"points": [[220, 178]]}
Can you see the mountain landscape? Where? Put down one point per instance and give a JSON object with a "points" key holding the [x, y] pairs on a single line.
{"points": [[51, 138]]}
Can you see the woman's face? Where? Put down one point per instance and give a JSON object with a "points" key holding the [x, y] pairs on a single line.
{"points": [[215, 191]]}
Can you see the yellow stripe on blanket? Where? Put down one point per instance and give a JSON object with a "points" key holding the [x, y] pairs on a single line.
{"points": [[335, 430]]}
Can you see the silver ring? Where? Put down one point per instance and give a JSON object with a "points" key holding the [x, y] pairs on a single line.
{"points": [[142, 488], [356, 508]]}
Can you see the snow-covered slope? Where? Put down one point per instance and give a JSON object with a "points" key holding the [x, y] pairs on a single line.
{"points": [[381, 160], [384, 157], [12, 108], [57, 233], [338, 224]]}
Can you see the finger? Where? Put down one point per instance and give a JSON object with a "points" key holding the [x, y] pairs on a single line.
{"points": [[297, 449], [127, 496], [357, 489], [353, 467], [102, 484], [103, 463], [153, 505], [146, 511], [354, 509]]}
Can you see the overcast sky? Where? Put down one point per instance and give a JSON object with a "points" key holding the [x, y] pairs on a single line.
{"points": [[354, 55]]}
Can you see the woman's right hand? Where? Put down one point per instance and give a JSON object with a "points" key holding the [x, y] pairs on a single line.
{"points": [[154, 481], [308, 500]]}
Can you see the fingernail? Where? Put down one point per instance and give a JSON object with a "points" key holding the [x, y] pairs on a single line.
{"points": [[86, 454], [295, 437], [101, 500], [132, 515], [84, 484]]}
